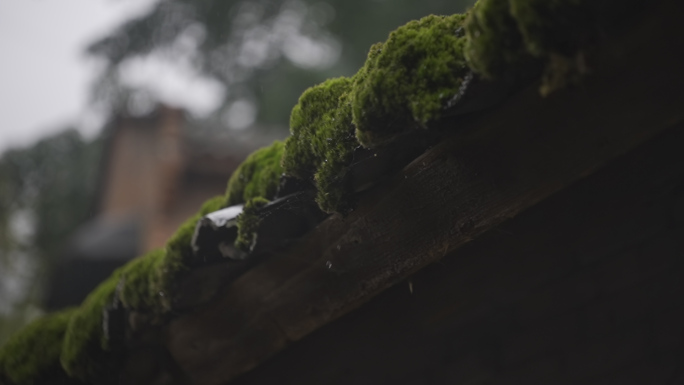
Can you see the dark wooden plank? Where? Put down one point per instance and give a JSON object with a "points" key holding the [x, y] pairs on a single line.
{"points": [[496, 166]]}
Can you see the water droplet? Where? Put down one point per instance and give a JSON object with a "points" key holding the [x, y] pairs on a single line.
{"points": [[328, 265]]}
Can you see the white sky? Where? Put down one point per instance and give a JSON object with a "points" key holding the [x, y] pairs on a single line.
{"points": [[44, 75]]}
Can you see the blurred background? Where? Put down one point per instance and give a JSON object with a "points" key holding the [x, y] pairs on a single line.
{"points": [[119, 117]]}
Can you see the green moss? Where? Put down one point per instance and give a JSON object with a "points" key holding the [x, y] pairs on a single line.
{"points": [[504, 36], [322, 143], [313, 125], [494, 46], [258, 176], [332, 181], [559, 26], [214, 204], [142, 282], [177, 256], [407, 81], [179, 248], [145, 284], [248, 223], [86, 350], [556, 30], [31, 356]]}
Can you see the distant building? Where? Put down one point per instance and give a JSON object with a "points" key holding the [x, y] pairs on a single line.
{"points": [[157, 170]]}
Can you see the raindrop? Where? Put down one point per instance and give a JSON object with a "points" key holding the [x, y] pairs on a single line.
{"points": [[328, 265]]}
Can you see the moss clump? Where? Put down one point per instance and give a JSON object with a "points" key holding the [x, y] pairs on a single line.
{"points": [[86, 350], [146, 283], [31, 356], [178, 255], [322, 143], [506, 35], [407, 81], [141, 282], [258, 176], [559, 26], [248, 224], [494, 46], [555, 30]]}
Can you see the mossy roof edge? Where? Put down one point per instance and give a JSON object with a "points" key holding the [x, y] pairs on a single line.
{"points": [[164, 267]]}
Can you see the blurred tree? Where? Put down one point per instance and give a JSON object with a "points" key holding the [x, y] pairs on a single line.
{"points": [[46, 191], [263, 53]]}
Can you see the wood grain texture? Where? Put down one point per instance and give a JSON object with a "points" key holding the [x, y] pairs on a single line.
{"points": [[494, 166]]}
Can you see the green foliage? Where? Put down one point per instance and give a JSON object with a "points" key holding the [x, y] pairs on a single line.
{"points": [[54, 179], [407, 81], [7, 196], [258, 176], [31, 357], [248, 223], [86, 350], [322, 143], [52, 184]]}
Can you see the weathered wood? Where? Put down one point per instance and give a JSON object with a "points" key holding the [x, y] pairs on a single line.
{"points": [[495, 166]]}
